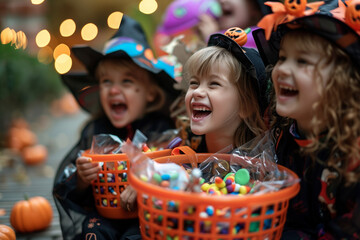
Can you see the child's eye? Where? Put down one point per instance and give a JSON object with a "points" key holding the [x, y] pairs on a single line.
{"points": [[281, 59], [302, 61], [127, 81], [215, 83], [105, 81], [193, 83]]}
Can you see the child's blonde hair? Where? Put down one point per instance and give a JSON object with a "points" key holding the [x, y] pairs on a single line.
{"points": [[338, 111], [201, 63], [160, 98]]}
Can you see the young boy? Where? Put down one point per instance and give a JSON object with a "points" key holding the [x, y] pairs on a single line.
{"points": [[134, 93]]}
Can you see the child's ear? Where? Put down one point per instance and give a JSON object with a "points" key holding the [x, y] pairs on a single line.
{"points": [[244, 112], [151, 95]]}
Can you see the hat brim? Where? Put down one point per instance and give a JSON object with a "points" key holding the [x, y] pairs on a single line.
{"points": [[328, 27], [85, 90], [91, 58], [84, 86], [220, 40]]}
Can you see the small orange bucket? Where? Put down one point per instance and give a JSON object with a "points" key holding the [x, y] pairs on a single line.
{"points": [[111, 180], [170, 214]]}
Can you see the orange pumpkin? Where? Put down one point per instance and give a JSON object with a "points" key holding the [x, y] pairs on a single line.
{"points": [[20, 138], [352, 15], [31, 215], [237, 34], [7, 233], [295, 7], [33, 155], [19, 123]]}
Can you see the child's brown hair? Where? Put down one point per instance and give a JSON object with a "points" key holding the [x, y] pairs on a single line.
{"points": [[336, 117], [200, 64]]}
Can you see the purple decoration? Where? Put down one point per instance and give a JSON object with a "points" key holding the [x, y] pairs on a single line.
{"points": [[183, 14]]}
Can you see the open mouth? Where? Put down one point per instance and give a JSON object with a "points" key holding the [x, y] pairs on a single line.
{"points": [[226, 11], [288, 91], [118, 108], [201, 112]]}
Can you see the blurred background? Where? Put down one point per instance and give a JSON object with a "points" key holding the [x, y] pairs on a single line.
{"points": [[36, 37]]}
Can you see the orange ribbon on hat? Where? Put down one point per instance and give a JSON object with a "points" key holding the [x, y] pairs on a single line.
{"points": [[286, 12]]}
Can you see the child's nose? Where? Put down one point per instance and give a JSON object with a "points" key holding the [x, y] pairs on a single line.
{"points": [[284, 67], [115, 89], [199, 92]]}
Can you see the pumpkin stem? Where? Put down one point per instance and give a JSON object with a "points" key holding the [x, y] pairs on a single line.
{"points": [[26, 197]]}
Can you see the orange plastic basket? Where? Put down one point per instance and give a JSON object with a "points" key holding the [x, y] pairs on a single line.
{"points": [[111, 180], [170, 214]]}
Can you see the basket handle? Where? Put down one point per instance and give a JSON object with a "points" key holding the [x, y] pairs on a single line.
{"points": [[189, 152]]}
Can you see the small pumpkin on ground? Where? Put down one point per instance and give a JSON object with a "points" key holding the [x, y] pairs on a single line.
{"points": [[7, 233], [34, 155], [20, 138], [31, 214]]}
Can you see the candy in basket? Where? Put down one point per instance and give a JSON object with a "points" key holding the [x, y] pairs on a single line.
{"points": [[255, 208], [112, 179]]}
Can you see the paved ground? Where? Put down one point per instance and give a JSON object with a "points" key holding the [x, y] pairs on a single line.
{"points": [[58, 134]]}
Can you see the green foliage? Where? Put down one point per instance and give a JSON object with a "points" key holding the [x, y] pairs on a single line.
{"points": [[25, 83], [24, 80]]}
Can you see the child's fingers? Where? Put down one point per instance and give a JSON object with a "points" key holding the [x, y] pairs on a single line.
{"points": [[89, 174], [85, 163], [82, 160], [87, 170], [128, 199]]}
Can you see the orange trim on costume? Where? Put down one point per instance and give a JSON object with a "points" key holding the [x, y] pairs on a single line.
{"points": [[303, 142], [270, 21], [346, 40], [278, 140]]}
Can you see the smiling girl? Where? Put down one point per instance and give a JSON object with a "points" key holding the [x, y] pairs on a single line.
{"points": [[316, 124], [224, 100]]}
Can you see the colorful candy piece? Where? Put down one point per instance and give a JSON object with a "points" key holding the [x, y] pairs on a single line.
{"points": [[165, 184], [209, 210], [205, 187], [157, 178], [243, 190], [112, 191], [242, 176], [219, 182], [165, 177], [145, 148], [230, 174], [230, 188], [223, 190]]}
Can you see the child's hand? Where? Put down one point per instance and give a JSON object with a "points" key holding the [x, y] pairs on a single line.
{"points": [[207, 26], [128, 199], [86, 172]]}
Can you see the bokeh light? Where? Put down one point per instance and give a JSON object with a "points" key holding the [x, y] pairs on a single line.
{"points": [[148, 6], [63, 63], [8, 36], [114, 20], [67, 27], [45, 55], [89, 32], [21, 40], [42, 39], [37, 2], [61, 49]]}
